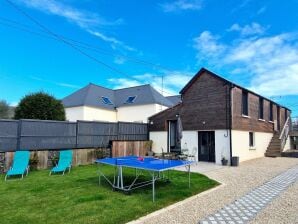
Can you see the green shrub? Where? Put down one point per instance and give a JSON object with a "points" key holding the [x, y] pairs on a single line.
{"points": [[40, 106]]}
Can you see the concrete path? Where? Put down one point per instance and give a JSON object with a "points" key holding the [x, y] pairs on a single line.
{"points": [[237, 182], [246, 208], [202, 167]]}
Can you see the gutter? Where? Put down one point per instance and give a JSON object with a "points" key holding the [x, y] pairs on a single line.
{"points": [[231, 86]]}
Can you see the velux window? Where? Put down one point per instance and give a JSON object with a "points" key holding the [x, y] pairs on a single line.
{"points": [[130, 99], [244, 103], [261, 108], [106, 100]]}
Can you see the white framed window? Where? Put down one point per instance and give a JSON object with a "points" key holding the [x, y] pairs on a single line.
{"points": [[251, 140]]}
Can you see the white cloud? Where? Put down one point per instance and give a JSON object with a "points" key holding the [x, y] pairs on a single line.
{"points": [[173, 81], [61, 84], [119, 83], [270, 62], [250, 29], [207, 44], [262, 10], [81, 18], [86, 20], [115, 42], [181, 5]]}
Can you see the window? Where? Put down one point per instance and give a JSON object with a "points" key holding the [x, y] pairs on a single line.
{"points": [[130, 99], [271, 112], [251, 140], [261, 108], [106, 100], [244, 103]]}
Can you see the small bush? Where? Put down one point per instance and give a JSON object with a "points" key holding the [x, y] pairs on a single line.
{"points": [[40, 106]]}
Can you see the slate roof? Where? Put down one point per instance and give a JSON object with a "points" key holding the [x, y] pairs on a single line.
{"points": [[91, 95], [175, 99]]}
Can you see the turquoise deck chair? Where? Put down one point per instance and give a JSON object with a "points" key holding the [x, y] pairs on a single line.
{"points": [[64, 163], [20, 164]]}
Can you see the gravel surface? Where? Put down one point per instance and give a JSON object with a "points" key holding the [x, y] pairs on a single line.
{"points": [[236, 182], [282, 210]]}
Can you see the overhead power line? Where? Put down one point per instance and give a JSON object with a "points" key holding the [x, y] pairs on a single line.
{"points": [[29, 29], [76, 47], [62, 39]]}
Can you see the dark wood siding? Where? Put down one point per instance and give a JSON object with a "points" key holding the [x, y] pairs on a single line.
{"points": [[252, 122], [203, 107]]}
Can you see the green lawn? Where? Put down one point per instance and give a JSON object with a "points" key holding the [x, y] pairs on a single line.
{"points": [[77, 198]]}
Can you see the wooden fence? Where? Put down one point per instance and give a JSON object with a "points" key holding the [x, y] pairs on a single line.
{"points": [[46, 158]]}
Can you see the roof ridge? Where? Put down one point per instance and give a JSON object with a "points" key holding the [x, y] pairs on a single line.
{"points": [[131, 87], [87, 92], [154, 91], [91, 83]]}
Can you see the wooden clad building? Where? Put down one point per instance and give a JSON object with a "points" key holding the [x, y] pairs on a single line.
{"points": [[220, 119]]}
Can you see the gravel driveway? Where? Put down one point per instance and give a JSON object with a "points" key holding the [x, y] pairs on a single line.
{"points": [[236, 182]]}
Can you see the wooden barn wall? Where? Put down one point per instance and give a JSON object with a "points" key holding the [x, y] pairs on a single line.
{"points": [[80, 156], [252, 123], [203, 107]]}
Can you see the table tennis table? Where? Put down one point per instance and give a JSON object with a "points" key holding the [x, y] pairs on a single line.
{"points": [[154, 166]]}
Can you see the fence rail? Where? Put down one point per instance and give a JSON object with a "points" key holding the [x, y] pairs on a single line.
{"points": [[44, 135]]}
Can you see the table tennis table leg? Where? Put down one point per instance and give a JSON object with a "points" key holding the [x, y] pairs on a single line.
{"points": [[153, 187], [189, 176], [121, 178]]}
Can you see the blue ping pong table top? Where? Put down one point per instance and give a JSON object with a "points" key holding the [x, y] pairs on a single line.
{"points": [[148, 163]]}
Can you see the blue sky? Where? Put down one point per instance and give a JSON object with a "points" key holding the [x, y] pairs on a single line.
{"points": [[253, 43]]}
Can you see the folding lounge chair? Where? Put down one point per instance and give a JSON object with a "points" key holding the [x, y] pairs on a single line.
{"points": [[64, 162], [20, 164]]}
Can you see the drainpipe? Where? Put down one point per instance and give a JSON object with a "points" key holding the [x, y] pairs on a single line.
{"points": [[231, 86]]}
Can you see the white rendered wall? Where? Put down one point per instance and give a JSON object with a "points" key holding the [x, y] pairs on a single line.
{"points": [[96, 114], [74, 113], [288, 144], [222, 145], [159, 139], [190, 141], [138, 113], [240, 144]]}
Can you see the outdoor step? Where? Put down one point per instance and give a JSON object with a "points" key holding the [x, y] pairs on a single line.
{"points": [[272, 154], [274, 149], [275, 144]]}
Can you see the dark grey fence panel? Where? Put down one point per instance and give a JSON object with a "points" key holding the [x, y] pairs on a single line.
{"points": [[96, 134], [8, 135], [37, 134], [132, 131]]}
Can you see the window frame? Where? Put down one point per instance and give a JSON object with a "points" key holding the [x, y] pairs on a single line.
{"points": [[271, 111], [104, 98], [251, 140], [134, 98], [261, 108], [244, 109]]}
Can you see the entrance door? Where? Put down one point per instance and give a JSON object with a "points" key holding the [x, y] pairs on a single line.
{"points": [[206, 146]]}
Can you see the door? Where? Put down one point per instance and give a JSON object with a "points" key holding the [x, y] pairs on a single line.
{"points": [[206, 147], [174, 142]]}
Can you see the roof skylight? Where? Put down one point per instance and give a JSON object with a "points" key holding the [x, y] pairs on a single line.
{"points": [[131, 99], [106, 100]]}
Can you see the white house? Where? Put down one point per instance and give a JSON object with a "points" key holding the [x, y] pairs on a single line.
{"points": [[133, 104], [221, 119]]}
